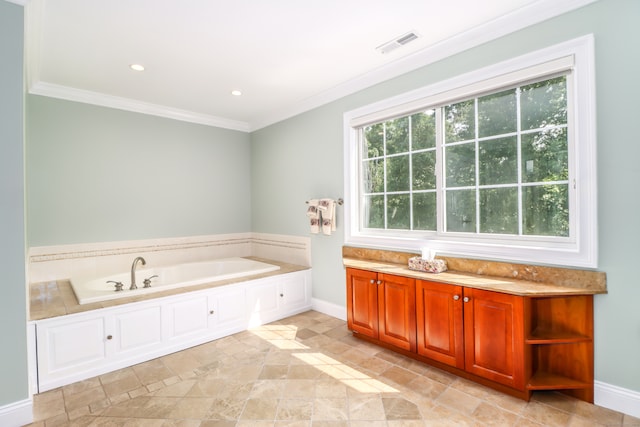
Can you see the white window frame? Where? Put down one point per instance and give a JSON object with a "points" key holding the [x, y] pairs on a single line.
{"points": [[581, 250]]}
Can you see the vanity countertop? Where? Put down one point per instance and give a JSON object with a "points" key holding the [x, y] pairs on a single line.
{"points": [[515, 279]]}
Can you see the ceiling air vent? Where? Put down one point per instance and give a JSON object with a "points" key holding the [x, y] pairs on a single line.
{"points": [[397, 42]]}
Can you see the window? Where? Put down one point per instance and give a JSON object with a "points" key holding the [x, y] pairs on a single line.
{"points": [[499, 163]]}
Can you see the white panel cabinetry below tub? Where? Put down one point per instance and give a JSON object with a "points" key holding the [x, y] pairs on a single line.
{"points": [[79, 346], [277, 298]]}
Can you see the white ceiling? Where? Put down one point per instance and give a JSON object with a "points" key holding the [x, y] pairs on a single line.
{"points": [[286, 56]]}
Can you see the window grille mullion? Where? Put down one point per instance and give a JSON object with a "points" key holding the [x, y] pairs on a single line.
{"points": [[440, 174], [519, 160], [384, 174], [477, 162]]}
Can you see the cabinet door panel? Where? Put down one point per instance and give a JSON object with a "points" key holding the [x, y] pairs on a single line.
{"points": [[138, 329], [362, 302], [494, 336], [263, 302], [230, 307], [71, 345], [189, 316], [396, 311], [293, 292], [439, 322]]}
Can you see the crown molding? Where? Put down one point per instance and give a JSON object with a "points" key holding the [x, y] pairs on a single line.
{"points": [[529, 15], [525, 17], [127, 104]]}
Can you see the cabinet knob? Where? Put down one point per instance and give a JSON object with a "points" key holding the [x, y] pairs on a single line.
{"points": [[456, 297], [465, 299], [109, 337], [372, 281], [211, 311], [379, 282], [281, 295]]}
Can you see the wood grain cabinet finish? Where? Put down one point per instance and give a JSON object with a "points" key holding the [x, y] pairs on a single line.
{"points": [[440, 322], [382, 307], [560, 344], [478, 331], [516, 344], [494, 336]]}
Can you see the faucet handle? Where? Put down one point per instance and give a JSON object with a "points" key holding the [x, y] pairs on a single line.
{"points": [[147, 281], [118, 285]]}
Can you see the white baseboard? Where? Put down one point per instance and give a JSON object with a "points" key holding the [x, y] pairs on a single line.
{"points": [[617, 398], [17, 414], [329, 308]]}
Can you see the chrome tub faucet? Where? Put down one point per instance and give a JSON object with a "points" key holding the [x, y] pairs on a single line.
{"points": [[133, 271]]}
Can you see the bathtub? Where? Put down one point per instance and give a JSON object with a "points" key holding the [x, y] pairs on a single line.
{"points": [[90, 290]]}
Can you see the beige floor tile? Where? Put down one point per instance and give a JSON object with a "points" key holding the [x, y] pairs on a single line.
{"points": [[48, 405], [152, 371], [260, 409], [226, 409], [426, 387], [192, 408], [294, 409], [490, 415], [366, 408], [398, 408], [305, 371], [331, 388], [545, 414], [462, 402], [334, 409]]}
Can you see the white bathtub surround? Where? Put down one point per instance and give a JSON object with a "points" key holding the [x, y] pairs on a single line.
{"points": [[82, 345], [93, 289], [283, 248], [50, 263]]}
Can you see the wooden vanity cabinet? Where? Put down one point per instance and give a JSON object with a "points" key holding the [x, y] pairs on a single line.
{"points": [[440, 325], [382, 307], [471, 329], [494, 336], [560, 344], [517, 344]]}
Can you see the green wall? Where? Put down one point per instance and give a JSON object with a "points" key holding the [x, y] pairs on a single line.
{"points": [[302, 158], [97, 174], [13, 311]]}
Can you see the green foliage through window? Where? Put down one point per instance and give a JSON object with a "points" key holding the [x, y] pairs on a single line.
{"points": [[504, 165]]}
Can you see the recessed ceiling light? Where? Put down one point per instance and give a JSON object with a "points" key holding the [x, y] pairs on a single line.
{"points": [[136, 67], [236, 92]]}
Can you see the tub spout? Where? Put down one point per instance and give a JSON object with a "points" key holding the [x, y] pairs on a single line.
{"points": [[133, 271]]}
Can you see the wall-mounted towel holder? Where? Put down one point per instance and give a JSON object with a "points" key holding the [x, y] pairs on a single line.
{"points": [[338, 201]]}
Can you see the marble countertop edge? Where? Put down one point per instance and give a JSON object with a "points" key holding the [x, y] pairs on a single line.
{"points": [[511, 286]]}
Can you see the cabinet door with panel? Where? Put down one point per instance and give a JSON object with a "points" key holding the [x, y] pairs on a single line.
{"points": [[382, 306], [187, 316], [227, 309], [494, 336], [69, 346], [137, 330], [362, 302], [440, 322], [396, 311], [294, 291]]}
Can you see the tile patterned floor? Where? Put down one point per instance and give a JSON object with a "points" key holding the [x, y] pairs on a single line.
{"points": [[306, 370]]}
